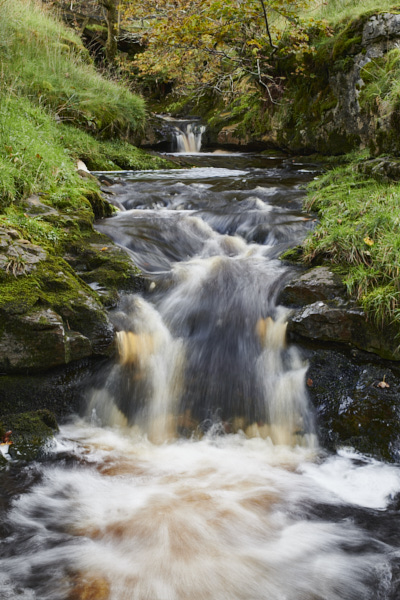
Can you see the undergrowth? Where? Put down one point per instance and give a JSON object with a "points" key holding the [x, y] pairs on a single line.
{"points": [[55, 108]]}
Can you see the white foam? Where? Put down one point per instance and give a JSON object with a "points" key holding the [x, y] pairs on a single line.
{"points": [[214, 518], [354, 479]]}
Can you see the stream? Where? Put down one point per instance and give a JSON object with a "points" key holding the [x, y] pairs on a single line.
{"points": [[196, 472]]}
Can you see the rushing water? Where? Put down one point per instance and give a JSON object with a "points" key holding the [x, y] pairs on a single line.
{"points": [[196, 473]]}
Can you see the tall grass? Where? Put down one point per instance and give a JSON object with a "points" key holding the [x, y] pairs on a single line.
{"points": [[42, 59], [55, 108], [335, 11]]}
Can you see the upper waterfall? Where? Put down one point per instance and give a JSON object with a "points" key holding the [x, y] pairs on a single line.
{"points": [[174, 134], [189, 137]]}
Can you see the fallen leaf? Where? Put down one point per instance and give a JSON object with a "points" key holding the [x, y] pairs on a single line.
{"points": [[383, 385], [6, 439], [368, 241], [310, 382]]}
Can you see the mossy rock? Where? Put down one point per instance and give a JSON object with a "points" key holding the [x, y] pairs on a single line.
{"points": [[50, 317], [293, 255], [101, 208], [103, 266], [31, 431]]}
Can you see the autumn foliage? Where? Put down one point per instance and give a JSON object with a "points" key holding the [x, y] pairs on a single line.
{"points": [[212, 45]]}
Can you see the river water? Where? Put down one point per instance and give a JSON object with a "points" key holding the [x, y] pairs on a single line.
{"points": [[196, 472]]}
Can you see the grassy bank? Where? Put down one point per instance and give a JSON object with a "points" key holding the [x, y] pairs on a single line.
{"points": [[358, 236], [46, 62], [336, 11], [54, 109]]}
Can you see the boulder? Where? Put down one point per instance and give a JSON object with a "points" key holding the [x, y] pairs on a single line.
{"points": [[318, 284], [323, 312], [345, 325], [352, 407], [18, 256], [50, 317], [29, 433]]}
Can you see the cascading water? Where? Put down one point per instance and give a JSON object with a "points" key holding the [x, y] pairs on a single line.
{"points": [[197, 473], [189, 137]]}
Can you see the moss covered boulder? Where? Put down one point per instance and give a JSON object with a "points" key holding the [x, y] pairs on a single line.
{"points": [[29, 433], [49, 317]]}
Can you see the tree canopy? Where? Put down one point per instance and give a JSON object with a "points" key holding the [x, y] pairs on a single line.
{"points": [[205, 46]]}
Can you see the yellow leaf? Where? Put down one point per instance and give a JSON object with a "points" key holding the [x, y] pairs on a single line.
{"points": [[368, 241]]}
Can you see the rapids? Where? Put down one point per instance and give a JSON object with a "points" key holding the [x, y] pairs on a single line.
{"points": [[196, 471]]}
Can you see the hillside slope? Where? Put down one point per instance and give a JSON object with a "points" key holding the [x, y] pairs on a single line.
{"points": [[54, 109]]}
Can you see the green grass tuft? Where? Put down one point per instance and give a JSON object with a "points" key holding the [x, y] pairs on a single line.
{"points": [[358, 234]]}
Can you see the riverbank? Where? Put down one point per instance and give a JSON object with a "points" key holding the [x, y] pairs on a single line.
{"points": [[58, 276]]}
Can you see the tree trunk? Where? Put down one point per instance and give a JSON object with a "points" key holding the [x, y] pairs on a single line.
{"points": [[111, 19]]}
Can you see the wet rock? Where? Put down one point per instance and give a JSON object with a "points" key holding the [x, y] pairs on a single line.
{"points": [[61, 390], [18, 256], [50, 317], [323, 312], [350, 407], [106, 179], [348, 325], [30, 433], [318, 284], [40, 340], [229, 136]]}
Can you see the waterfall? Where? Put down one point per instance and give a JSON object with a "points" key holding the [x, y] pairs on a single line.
{"points": [[188, 138], [197, 473]]}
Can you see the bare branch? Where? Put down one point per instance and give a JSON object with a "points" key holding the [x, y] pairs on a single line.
{"points": [[273, 46]]}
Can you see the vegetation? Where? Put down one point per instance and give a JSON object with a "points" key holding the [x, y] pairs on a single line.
{"points": [[47, 63], [51, 102], [336, 11], [202, 48], [358, 235], [107, 155], [54, 109]]}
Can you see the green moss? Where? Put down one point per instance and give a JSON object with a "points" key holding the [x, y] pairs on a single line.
{"points": [[101, 208], [18, 295], [54, 285], [293, 254], [108, 155], [96, 27], [346, 43], [30, 432]]}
